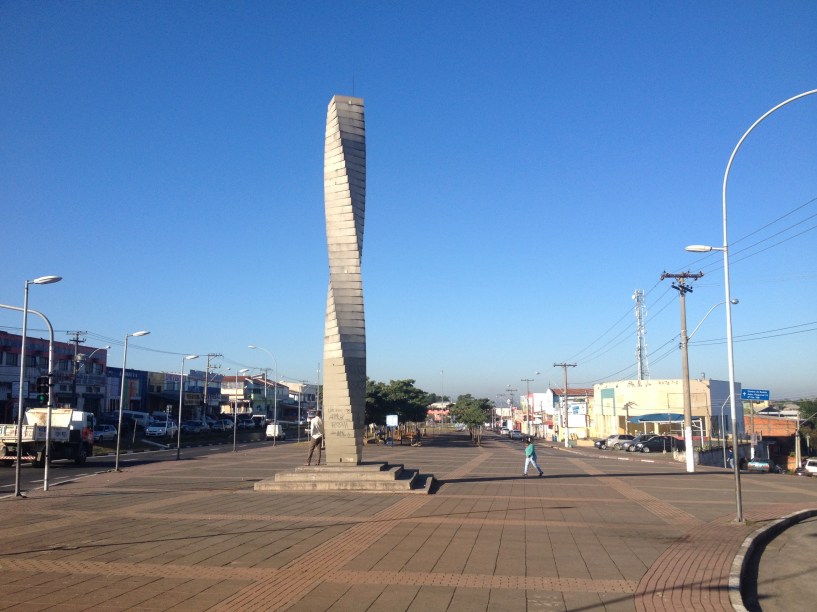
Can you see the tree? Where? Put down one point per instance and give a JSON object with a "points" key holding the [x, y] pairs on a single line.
{"points": [[808, 408], [398, 397], [473, 413]]}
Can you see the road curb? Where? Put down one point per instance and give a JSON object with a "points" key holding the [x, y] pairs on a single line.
{"points": [[743, 558]]}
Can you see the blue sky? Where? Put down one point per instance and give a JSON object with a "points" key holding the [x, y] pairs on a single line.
{"points": [[530, 165]]}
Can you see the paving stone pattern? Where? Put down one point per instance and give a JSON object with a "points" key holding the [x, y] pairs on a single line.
{"points": [[595, 533]]}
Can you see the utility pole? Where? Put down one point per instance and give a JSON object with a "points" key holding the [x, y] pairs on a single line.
{"points": [[681, 287], [564, 367], [75, 369], [210, 356]]}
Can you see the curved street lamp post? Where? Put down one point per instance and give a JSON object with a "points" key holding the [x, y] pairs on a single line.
{"points": [[699, 248], [122, 394], [42, 280], [181, 402]]}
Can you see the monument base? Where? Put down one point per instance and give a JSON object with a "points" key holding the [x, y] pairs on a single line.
{"points": [[363, 477]]}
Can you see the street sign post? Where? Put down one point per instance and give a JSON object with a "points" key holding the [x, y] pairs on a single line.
{"points": [[755, 395]]}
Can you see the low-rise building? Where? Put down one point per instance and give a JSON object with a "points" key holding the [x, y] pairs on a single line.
{"points": [[657, 406]]}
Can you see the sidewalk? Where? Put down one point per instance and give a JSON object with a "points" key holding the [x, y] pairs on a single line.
{"points": [[595, 533]]}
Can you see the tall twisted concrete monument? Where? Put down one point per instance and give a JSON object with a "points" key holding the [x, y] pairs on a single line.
{"points": [[344, 345]]}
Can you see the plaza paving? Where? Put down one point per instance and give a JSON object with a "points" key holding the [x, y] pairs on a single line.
{"points": [[599, 531]]}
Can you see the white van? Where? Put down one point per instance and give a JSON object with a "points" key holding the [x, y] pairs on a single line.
{"points": [[276, 432]]}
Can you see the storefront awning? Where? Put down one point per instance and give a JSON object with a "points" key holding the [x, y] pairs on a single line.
{"points": [[658, 417]]}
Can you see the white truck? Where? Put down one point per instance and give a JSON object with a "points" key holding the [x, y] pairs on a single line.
{"points": [[72, 437]]}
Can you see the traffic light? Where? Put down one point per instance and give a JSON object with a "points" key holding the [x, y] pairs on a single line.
{"points": [[42, 389]]}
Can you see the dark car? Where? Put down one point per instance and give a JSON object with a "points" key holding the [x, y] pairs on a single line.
{"points": [[602, 444], [658, 444], [245, 423], [629, 445]]}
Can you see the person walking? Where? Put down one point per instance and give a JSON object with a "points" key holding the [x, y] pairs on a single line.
{"points": [[530, 457], [316, 438]]}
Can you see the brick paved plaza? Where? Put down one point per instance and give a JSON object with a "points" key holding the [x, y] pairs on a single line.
{"points": [[600, 531]]}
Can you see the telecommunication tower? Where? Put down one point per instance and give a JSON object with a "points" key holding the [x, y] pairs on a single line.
{"points": [[641, 345]]}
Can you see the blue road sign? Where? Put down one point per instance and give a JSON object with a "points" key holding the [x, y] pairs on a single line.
{"points": [[756, 395]]}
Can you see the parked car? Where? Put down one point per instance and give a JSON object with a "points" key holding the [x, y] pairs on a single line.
{"points": [[760, 465], [275, 431], [629, 445], [810, 465], [602, 444], [195, 426], [222, 425], [245, 423], [504, 431], [103, 433], [515, 434], [158, 430], [659, 444], [615, 442], [765, 465]]}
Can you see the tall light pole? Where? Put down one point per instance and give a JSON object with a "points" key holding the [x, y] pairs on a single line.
{"points": [[698, 248], [274, 389], [564, 367], [238, 375], [181, 402], [122, 393], [42, 280], [47, 457], [527, 382], [689, 337]]}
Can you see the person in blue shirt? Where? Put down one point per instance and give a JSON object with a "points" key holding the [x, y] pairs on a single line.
{"points": [[530, 457]]}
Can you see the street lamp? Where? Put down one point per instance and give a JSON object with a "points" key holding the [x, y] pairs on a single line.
{"points": [[235, 406], [181, 401], [685, 344], [122, 393], [86, 358], [42, 280], [527, 382], [47, 457], [699, 248], [274, 390]]}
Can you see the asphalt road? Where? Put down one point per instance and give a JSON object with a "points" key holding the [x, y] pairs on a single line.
{"points": [[785, 580]]}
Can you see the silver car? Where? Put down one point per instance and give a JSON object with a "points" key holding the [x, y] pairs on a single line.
{"points": [[616, 442]]}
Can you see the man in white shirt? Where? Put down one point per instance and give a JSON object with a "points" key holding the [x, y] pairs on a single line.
{"points": [[316, 438]]}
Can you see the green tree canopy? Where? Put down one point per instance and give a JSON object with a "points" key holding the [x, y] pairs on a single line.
{"points": [[398, 397], [471, 410], [808, 408]]}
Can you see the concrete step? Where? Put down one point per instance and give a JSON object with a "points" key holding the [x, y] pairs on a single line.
{"points": [[372, 478]]}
